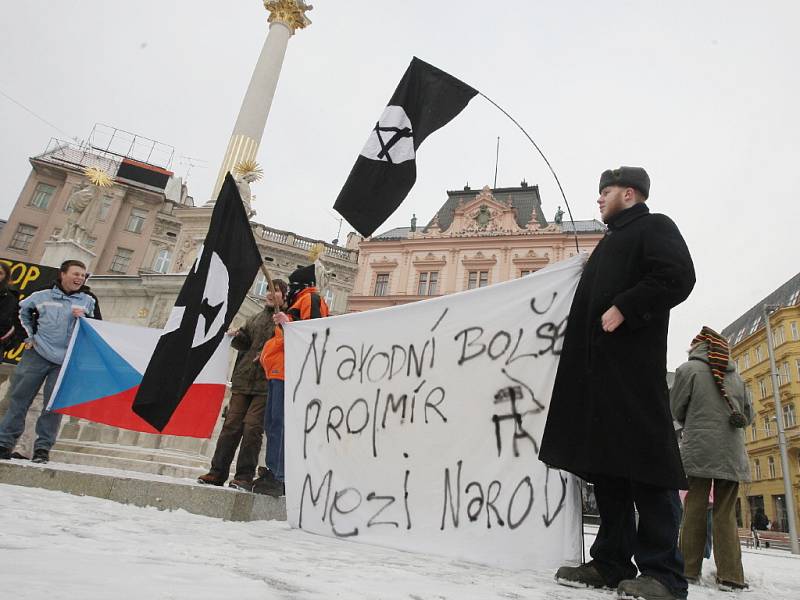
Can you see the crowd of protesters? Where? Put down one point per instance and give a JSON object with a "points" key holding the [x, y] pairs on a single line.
{"points": [[610, 394]]}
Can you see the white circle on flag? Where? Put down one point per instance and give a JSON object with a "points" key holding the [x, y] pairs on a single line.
{"points": [[392, 138]]}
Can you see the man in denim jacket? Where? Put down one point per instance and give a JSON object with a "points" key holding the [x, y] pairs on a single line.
{"points": [[48, 317]]}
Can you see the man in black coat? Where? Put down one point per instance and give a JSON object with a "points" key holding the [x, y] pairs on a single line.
{"points": [[609, 420]]}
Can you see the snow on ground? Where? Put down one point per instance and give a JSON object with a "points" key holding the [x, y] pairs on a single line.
{"points": [[57, 546]]}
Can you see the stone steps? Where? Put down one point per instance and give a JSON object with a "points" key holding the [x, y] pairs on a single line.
{"points": [[164, 493], [129, 458]]}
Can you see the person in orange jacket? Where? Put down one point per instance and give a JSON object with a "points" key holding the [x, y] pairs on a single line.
{"points": [[305, 302]]}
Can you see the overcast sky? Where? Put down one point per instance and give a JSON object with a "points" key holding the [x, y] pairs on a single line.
{"points": [[703, 94]]}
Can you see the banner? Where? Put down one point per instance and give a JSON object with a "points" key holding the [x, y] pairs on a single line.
{"points": [[418, 426], [27, 278], [103, 370]]}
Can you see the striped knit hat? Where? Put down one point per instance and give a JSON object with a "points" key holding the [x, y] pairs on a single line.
{"points": [[718, 358]]}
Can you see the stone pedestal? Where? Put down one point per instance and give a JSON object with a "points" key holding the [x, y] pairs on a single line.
{"points": [[57, 251]]}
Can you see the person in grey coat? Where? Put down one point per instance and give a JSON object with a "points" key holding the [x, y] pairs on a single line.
{"points": [[708, 399]]}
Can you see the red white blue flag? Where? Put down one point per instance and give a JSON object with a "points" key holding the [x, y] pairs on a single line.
{"points": [[102, 372]]}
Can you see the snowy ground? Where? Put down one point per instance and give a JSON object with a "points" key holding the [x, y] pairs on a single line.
{"points": [[53, 545]]}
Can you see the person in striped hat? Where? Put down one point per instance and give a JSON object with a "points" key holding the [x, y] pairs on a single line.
{"points": [[708, 399]]}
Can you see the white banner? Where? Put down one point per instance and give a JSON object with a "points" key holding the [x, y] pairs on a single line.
{"points": [[417, 427]]}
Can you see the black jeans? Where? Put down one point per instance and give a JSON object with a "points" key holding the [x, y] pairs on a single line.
{"points": [[654, 544]]}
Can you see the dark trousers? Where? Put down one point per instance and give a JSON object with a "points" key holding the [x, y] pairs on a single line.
{"points": [[243, 423], [273, 427], [653, 544]]}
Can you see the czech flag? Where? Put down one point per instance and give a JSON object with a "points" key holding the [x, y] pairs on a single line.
{"points": [[102, 372]]}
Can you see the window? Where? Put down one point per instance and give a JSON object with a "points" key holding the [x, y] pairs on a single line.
{"points": [[477, 279], [753, 432], [767, 426], [105, 208], [23, 237], [42, 195], [381, 284], [739, 335], [161, 261], [428, 283], [756, 469], [748, 392], [747, 360], [759, 355], [524, 272], [755, 324], [795, 334], [794, 298], [798, 369], [789, 419], [771, 466], [121, 261], [783, 374], [136, 220], [329, 298], [778, 336], [261, 287], [762, 388]]}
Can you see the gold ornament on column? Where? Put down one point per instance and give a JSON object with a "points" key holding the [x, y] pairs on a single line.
{"points": [[249, 168], [291, 13]]}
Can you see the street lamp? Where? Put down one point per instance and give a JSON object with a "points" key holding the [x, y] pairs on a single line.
{"points": [[787, 481]]}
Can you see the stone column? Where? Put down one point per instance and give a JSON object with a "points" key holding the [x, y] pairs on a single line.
{"points": [[286, 16]]}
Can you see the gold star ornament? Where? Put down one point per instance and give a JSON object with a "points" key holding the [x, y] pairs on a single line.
{"points": [[98, 177], [249, 167]]}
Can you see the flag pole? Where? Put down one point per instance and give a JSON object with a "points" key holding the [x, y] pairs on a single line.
{"points": [[547, 162], [268, 277]]}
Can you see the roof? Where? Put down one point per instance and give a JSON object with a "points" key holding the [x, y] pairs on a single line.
{"points": [[398, 233], [525, 199], [590, 226], [751, 321]]}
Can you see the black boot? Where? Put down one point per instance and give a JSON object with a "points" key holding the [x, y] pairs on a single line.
{"points": [[267, 484], [5, 453], [41, 456]]}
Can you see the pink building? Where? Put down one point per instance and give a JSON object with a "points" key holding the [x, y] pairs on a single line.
{"points": [[475, 239]]}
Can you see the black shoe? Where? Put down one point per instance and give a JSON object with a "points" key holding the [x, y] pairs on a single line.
{"points": [[585, 576], [731, 586], [5, 453], [645, 587], [41, 456], [267, 484], [18, 455]]}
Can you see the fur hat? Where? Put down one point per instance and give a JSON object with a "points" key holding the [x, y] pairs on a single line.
{"points": [[635, 177]]}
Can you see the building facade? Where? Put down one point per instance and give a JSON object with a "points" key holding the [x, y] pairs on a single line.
{"points": [[748, 339], [145, 223], [477, 238], [127, 227]]}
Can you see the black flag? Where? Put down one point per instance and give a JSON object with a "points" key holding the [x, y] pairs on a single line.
{"points": [[215, 287], [426, 99]]}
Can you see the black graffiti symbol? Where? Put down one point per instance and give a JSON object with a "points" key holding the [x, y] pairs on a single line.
{"points": [[511, 394], [399, 134], [547, 517], [541, 312], [539, 406]]}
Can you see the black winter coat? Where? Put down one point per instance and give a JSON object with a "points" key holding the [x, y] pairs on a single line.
{"points": [[609, 413]]}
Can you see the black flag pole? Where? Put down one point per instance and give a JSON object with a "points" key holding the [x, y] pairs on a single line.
{"points": [[547, 162]]}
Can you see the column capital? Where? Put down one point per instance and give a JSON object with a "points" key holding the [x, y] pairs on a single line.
{"points": [[291, 13]]}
